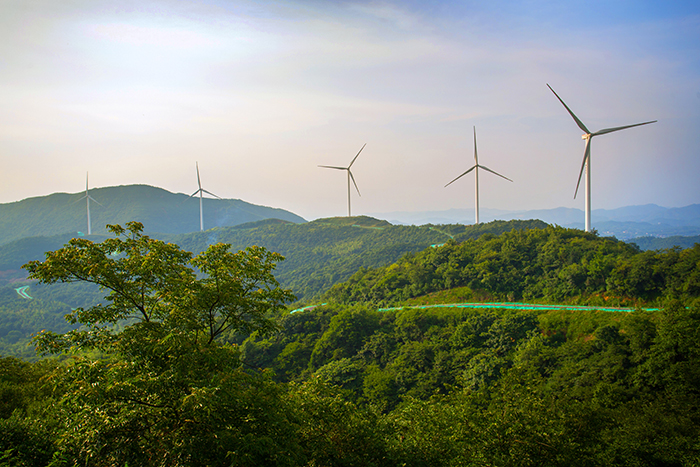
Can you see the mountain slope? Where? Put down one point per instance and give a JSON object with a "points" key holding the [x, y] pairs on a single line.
{"points": [[318, 255], [623, 223], [327, 251], [655, 243], [158, 209], [553, 265]]}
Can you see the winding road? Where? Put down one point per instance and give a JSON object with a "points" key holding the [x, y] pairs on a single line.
{"points": [[502, 305], [22, 291]]}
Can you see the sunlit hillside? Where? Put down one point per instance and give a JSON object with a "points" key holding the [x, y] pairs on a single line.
{"points": [[159, 210]]}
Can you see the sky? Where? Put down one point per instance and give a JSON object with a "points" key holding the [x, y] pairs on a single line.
{"points": [[260, 93]]}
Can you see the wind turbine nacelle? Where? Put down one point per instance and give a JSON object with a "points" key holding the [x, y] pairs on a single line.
{"points": [[585, 137]]}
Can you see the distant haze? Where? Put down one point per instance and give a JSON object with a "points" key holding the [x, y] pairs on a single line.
{"points": [[260, 93], [624, 223]]}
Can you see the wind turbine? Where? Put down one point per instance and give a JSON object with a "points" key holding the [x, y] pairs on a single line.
{"points": [[88, 198], [350, 176], [587, 135], [201, 191], [476, 168]]}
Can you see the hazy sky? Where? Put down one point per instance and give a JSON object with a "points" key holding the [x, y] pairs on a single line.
{"points": [[262, 92]]}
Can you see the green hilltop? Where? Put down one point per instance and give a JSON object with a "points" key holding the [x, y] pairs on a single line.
{"points": [[380, 363], [318, 255], [324, 252], [159, 210], [545, 265], [365, 260]]}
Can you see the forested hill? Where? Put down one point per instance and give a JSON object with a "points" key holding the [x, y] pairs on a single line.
{"points": [[366, 260], [353, 383], [659, 243], [324, 252], [552, 264], [318, 255], [158, 209]]}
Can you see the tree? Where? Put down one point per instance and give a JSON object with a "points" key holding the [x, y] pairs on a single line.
{"points": [[158, 286], [166, 390]]}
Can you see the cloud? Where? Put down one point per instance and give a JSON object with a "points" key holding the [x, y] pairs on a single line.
{"points": [[258, 90]]}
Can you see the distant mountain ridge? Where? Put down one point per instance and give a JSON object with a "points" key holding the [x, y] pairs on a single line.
{"points": [[628, 222], [158, 209], [658, 243]]}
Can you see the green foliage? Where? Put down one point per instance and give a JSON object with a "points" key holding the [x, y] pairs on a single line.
{"points": [[25, 433], [324, 252], [14, 254], [344, 336], [20, 384], [24, 443], [152, 282], [166, 391], [20, 318], [328, 251], [346, 384], [506, 387], [205, 411], [381, 357], [334, 431], [320, 254], [552, 264]]}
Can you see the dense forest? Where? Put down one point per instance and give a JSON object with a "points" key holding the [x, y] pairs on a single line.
{"points": [[661, 243], [551, 264], [318, 255], [195, 358]]}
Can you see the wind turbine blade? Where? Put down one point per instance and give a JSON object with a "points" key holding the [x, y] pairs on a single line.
{"points": [[476, 159], [578, 122], [94, 200], [465, 173], [333, 167], [353, 182], [495, 173], [195, 193], [210, 193], [586, 155], [610, 130], [353, 161], [199, 183]]}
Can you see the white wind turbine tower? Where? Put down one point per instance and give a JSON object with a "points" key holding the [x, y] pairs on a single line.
{"points": [[88, 198], [201, 191], [350, 176], [587, 154], [476, 168]]}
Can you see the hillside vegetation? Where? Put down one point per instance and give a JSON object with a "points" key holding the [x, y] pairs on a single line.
{"points": [[324, 252], [159, 210], [659, 243], [553, 265], [209, 369], [318, 255], [494, 387]]}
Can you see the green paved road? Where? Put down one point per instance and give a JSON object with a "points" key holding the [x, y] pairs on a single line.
{"points": [[519, 306], [502, 305]]}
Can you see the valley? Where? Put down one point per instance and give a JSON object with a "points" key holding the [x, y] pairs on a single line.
{"points": [[361, 342]]}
